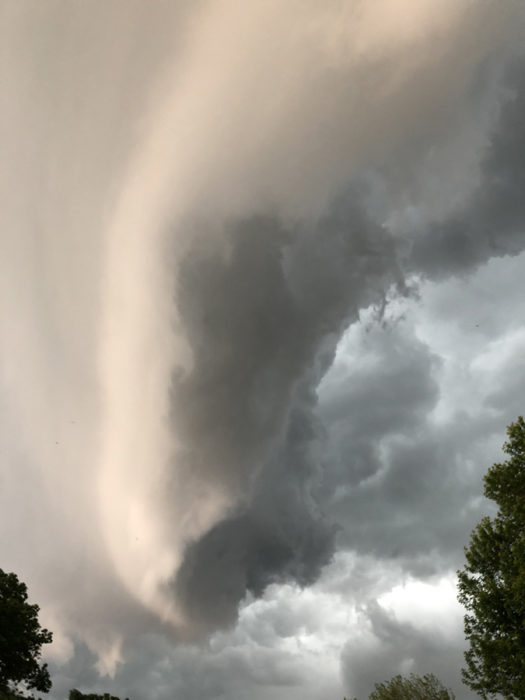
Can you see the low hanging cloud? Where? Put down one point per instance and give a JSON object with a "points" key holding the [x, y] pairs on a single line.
{"points": [[263, 324], [201, 204], [490, 223]]}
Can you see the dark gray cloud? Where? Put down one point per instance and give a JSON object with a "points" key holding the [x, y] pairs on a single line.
{"points": [[263, 324], [492, 222]]}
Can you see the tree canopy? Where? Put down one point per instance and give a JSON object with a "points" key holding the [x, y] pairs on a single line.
{"points": [[77, 695], [21, 639], [426, 687], [492, 584], [413, 687]]}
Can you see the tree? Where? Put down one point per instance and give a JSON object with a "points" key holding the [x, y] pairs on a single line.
{"points": [[426, 687], [21, 639], [77, 695], [492, 584]]}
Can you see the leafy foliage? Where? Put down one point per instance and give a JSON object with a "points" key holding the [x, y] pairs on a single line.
{"points": [[492, 584], [4, 695], [426, 687], [21, 639]]}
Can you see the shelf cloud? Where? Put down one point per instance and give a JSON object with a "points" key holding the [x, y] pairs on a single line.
{"points": [[235, 239]]}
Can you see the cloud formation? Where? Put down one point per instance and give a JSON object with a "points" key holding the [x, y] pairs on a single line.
{"points": [[263, 326], [242, 311], [490, 223]]}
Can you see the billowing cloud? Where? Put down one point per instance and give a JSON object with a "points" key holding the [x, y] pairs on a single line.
{"points": [[263, 325], [244, 338], [490, 223]]}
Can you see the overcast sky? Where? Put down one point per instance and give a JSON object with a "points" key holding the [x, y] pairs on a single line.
{"points": [[262, 314]]}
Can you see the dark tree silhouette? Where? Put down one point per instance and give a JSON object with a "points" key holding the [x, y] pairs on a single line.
{"points": [[21, 639]]}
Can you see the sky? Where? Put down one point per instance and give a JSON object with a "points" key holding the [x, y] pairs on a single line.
{"points": [[262, 322]]}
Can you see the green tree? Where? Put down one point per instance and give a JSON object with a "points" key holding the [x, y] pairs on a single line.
{"points": [[21, 639], [426, 687], [492, 584]]}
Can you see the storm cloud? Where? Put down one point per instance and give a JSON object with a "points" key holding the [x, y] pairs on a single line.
{"points": [[263, 323], [257, 339], [490, 223]]}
